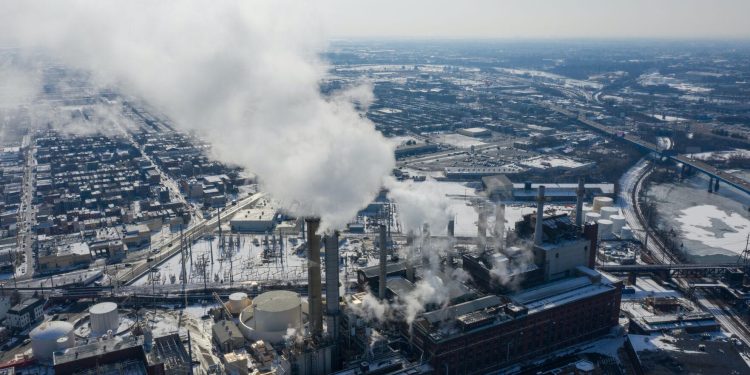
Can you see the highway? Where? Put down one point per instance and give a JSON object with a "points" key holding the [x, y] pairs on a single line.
{"points": [[734, 181]]}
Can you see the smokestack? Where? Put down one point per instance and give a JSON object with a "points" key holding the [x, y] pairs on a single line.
{"points": [[591, 232], [383, 260], [332, 283], [314, 297], [482, 226], [452, 228], [579, 202], [539, 216], [500, 226]]}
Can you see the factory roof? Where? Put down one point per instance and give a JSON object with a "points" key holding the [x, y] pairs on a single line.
{"points": [[561, 292], [455, 311], [255, 214], [391, 267], [226, 330], [552, 187], [97, 348]]}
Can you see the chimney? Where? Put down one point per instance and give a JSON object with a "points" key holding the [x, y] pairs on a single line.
{"points": [[383, 260], [579, 202], [314, 297], [452, 228], [500, 226], [332, 284], [539, 217], [482, 226], [591, 232]]}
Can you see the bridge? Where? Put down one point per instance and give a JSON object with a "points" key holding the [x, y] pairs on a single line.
{"points": [[674, 270], [715, 174]]}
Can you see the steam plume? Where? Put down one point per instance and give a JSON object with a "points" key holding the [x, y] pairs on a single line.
{"points": [[244, 75]]}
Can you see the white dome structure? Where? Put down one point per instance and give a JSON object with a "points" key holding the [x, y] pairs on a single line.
{"points": [[238, 302], [103, 317], [44, 338], [270, 316]]}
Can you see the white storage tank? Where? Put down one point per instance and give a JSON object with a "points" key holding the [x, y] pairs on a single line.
{"points": [[44, 338], [618, 221], [592, 217], [605, 229], [64, 343], [270, 315], [608, 212], [103, 317], [600, 202], [626, 233], [237, 302]]}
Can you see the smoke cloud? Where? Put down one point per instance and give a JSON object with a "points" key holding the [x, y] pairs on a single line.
{"points": [[244, 75]]}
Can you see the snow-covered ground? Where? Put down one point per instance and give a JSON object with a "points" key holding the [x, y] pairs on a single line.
{"points": [[458, 140], [713, 227]]}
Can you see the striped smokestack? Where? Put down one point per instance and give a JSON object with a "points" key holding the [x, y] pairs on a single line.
{"points": [[314, 297]]}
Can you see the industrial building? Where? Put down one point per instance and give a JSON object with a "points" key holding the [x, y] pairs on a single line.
{"points": [[474, 132], [254, 220]]}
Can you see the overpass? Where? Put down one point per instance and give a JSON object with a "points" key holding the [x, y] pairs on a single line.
{"points": [[714, 173]]}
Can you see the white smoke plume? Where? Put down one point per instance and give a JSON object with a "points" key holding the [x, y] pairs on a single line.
{"points": [[243, 74], [420, 203]]}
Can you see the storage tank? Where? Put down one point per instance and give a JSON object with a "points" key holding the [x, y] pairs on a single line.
{"points": [[103, 317], [618, 221], [605, 229], [237, 302], [64, 343], [608, 212], [592, 217], [44, 338], [626, 233], [600, 202], [270, 315]]}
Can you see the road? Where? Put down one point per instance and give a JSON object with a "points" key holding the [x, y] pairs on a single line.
{"points": [[26, 215]]}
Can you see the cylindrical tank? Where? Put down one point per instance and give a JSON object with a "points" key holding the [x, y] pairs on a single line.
{"points": [[237, 302], [44, 338], [626, 233], [608, 212], [103, 317], [605, 229], [64, 343], [592, 217], [600, 202], [618, 221], [270, 316]]}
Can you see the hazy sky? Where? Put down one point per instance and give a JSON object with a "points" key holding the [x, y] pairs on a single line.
{"points": [[538, 18]]}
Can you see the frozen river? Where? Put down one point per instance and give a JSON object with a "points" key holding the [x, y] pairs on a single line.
{"points": [[713, 227]]}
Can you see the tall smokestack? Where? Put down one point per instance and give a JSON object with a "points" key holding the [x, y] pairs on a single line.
{"points": [[482, 226], [383, 260], [332, 282], [500, 226], [539, 216], [579, 202], [591, 232], [452, 228], [314, 297]]}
